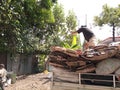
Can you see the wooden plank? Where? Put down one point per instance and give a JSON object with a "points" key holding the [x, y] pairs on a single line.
{"points": [[56, 65], [86, 70], [62, 74], [76, 64], [72, 86], [64, 50], [57, 58]]}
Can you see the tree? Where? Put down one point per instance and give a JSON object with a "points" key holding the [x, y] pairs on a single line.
{"points": [[23, 23], [110, 16], [71, 22], [58, 27]]}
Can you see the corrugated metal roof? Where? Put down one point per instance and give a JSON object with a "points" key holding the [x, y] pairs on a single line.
{"points": [[109, 40]]}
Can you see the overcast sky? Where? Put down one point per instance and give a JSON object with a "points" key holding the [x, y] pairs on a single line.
{"points": [[85, 11], [90, 8]]}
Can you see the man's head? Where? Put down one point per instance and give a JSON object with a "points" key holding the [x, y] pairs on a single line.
{"points": [[2, 66]]}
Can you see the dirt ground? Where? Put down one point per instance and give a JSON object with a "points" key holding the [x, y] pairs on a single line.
{"points": [[31, 82]]}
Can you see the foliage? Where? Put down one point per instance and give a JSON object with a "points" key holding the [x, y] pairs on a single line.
{"points": [[28, 26], [58, 27], [71, 23], [71, 20], [110, 16], [53, 37], [23, 23], [72, 42], [41, 65]]}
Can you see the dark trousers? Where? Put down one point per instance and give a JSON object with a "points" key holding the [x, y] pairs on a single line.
{"points": [[2, 87]]}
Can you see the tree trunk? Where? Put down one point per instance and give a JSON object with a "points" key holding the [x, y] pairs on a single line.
{"points": [[113, 32]]}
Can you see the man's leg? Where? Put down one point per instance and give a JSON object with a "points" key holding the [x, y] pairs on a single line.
{"points": [[2, 86], [92, 42], [85, 45]]}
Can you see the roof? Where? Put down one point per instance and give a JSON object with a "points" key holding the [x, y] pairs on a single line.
{"points": [[109, 40]]}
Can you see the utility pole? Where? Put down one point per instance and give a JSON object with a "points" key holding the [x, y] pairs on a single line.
{"points": [[86, 20]]}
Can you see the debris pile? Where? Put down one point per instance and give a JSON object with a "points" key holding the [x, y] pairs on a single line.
{"points": [[101, 59]]}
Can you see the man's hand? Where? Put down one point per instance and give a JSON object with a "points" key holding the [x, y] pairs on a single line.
{"points": [[74, 33]]}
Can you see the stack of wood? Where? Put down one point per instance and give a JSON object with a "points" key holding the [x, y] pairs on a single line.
{"points": [[70, 60], [91, 60]]}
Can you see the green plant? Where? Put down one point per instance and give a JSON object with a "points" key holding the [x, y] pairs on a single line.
{"points": [[74, 44]]}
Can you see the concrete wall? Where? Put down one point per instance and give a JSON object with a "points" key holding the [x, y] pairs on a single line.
{"points": [[20, 64]]}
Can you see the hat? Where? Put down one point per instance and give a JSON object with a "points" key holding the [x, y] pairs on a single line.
{"points": [[83, 26]]}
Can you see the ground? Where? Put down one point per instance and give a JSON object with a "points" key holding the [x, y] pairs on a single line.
{"points": [[31, 82]]}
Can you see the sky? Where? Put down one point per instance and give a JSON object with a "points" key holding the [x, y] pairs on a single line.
{"points": [[85, 10]]}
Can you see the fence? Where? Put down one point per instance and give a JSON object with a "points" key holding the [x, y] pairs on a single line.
{"points": [[86, 81]]}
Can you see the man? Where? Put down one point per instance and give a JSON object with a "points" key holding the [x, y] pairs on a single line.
{"points": [[3, 74], [88, 35]]}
